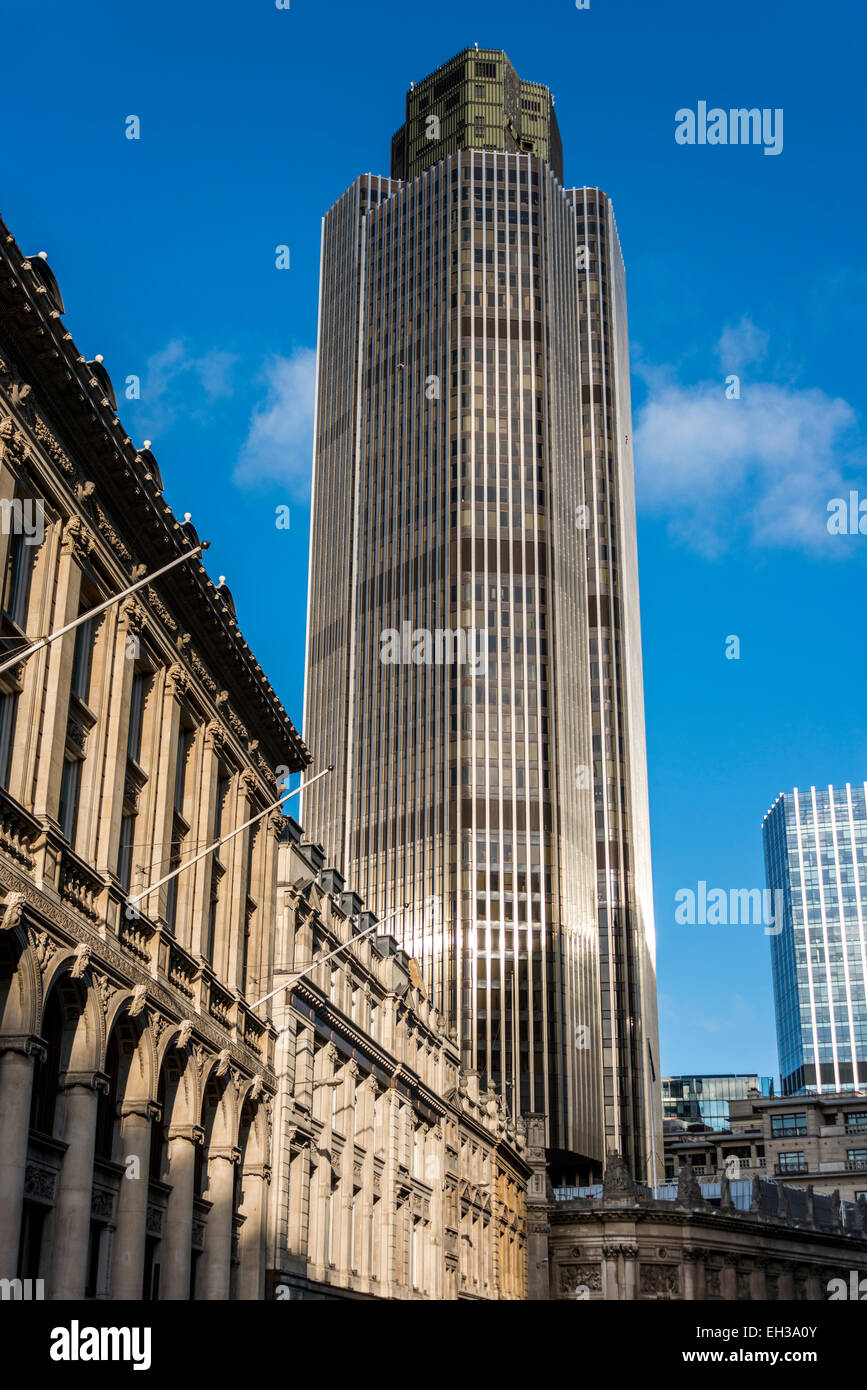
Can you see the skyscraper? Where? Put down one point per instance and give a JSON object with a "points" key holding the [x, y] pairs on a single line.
{"points": [[816, 859], [474, 655]]}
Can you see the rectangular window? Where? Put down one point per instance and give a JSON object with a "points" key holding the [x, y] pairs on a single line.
{"points": [[124, 853], [172, 886], [212, 918], [185, 743], [16, 580], [82, 660], [792, 1126], [792, 1162], [8, 712], [136, 716], [70, 785], [219, 806]]}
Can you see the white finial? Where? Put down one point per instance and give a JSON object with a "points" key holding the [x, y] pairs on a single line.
{"points": [[147, 444], [222, 579], [43, 255], [98, 357], [188, 516]]}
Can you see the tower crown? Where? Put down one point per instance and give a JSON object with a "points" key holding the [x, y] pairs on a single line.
{"points": [[475, 101]]}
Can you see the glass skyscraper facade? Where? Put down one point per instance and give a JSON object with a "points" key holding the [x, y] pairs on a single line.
{"points": [[473, 659], [704, 1100], [816, 856]]}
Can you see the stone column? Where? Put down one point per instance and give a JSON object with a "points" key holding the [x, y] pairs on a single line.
{"points": [[729, 1278], [389, 1224], [127, 1265], [176, 1245], [251, 1275], [610, 1273], [298, 1239], [75, 1187], [16, 1089], [690, 1258], [758, 1285], [630, 1272], [217, 1255]]}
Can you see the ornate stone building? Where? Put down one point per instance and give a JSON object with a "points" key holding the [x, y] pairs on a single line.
{"points": [[746, 1240], [394, 1176], [136, 1083]]}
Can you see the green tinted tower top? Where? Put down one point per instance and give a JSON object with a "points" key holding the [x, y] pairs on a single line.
{"points": [[475, 101]]}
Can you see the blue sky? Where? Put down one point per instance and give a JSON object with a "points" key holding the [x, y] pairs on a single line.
{"points": [[253, 120]]}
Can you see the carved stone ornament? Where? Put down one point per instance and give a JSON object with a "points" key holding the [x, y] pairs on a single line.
{"points": [[202, 672], [39, 1183], [617, 1182], [215, 736], [138, 1001], [571, 1276], [43, 948], [102, 1203], [660, 1279], [178, 680], [689, 1193], [13, 913], [54, 451], [132, 615], [81, 962], [13, 445], [160, 609], [109, 532], [627, 1249], [77, 539], [105, 988]]}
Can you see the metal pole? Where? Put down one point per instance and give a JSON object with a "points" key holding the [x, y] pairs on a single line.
{"points": [[100, 608], [152, 888], [289, 984]]}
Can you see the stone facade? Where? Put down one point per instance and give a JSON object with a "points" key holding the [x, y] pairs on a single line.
{"points": [[630, 1242], [136, 1083], [820, 1141], [396, 1177]]}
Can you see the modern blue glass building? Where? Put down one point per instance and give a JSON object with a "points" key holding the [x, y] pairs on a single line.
{"points": [[816, 854], [705, 1099]]}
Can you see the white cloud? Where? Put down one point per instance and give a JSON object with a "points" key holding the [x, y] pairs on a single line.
{"points": [[740, 344], [761, 468], [174, 380], [279, 444]]}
